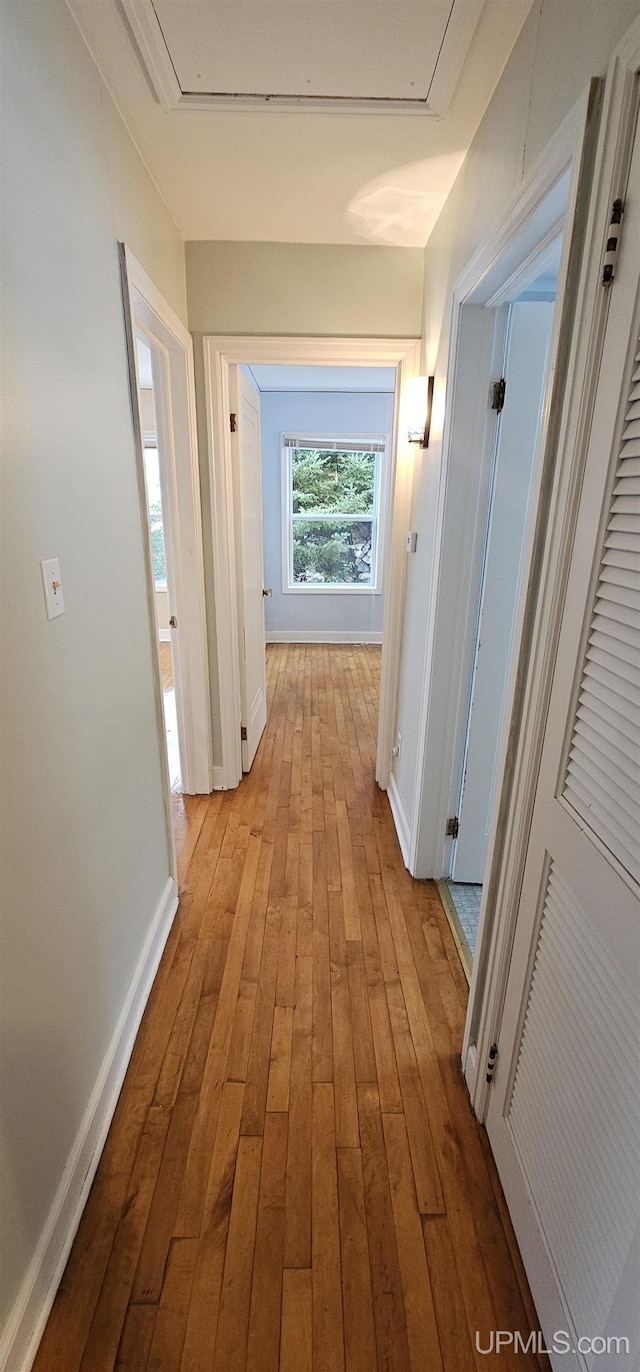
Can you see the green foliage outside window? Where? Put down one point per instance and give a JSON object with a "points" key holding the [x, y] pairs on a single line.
{"points": [[335, 551], [158, 559], [332, 483]]}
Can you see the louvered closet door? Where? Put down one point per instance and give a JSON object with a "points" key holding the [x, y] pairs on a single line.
{"points": [[564, 1117]]}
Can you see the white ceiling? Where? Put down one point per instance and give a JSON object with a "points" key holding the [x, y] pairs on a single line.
{"points": [[299, 174], [301, 378]]}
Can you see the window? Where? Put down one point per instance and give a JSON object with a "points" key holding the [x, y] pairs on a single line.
{"points": [[156, 528], [332, 498]]}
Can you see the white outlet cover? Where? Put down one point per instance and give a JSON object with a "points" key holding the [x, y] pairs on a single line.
{"points": [[52, 587]]}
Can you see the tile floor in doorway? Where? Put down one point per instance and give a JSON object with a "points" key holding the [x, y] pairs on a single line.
{"points": [[466, 899]]}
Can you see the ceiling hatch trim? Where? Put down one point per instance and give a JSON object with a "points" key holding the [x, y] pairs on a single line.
{"points": [[156, 59]]}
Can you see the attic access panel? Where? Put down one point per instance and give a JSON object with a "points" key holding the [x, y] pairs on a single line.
{"points": [[359, 55]]}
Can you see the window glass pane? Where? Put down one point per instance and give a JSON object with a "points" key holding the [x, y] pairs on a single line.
{"points": [[334, 552], [156, 530], [332, 483]]}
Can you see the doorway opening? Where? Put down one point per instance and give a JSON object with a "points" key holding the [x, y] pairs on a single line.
{"points": [[310, 491], [312, 448], [523, 330], [506, 354], [157, 503], [161, 378]]}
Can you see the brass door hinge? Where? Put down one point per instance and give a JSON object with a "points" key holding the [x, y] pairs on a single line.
{"points": [[498, 392]]}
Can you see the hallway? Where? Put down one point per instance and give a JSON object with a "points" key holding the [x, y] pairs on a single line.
{"points": [[293, 1178]]}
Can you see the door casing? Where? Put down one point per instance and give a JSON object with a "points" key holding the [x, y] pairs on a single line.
{"points": [[250, 565], [524, 367], [542, 604], [220, 353]]}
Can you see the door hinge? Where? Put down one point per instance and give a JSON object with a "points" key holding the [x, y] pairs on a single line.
{"points": [[453, 827], [243, 733], [233, 422], [491, 1062], [498, 392], [173, 623], [613, 239]]}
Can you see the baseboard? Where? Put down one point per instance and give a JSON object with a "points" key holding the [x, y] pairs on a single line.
{"points": [[218, 782], [322, 636], [23, 1332], [400, 820], [456, 928]]}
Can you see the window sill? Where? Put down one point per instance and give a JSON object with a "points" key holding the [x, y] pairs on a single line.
{"points": [[321, 589]]}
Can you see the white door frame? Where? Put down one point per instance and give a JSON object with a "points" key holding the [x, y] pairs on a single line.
{"points": [[220, 352], [541, 608], [504, 263], [148, 313], [497, 600]]}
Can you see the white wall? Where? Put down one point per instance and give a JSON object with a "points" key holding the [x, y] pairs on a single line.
{"points": [[85, 858], [304, 288], [313, 412], [562, 45]]}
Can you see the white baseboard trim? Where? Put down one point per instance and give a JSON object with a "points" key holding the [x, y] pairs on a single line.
{"points": [[400, 820], [218, 782], [23, 1332], [322, 636]]}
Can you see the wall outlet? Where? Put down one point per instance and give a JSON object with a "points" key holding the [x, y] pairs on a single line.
{"points": [[52, 587], [397, 746]]}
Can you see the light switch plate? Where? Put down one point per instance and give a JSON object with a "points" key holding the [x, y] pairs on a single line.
{"points": [[52, 586]]}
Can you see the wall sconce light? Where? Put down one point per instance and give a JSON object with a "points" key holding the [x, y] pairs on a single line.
{"points": [[420, 405]]}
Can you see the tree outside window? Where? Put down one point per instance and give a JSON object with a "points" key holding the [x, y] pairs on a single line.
{"points": [[156, 528], [333, 513]]}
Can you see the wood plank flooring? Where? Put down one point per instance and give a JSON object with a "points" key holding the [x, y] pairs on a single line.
{"points": [[166, 666], [293, 1178]]}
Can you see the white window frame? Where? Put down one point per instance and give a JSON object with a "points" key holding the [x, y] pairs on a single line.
{"points": [[365, 442]]}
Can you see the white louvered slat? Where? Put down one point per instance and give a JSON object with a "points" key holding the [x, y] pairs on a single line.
{"points": [[621, 557], [617, 647], [608, 704], [578, 1070], [609, 756], [619, 576], [602, 786], [603, 725], [624, 633], [624, 696], [629, 541], [604, 655]]}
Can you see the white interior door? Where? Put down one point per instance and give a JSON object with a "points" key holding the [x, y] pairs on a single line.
{"points": [[527, 347], [250, 566], [564, 1113], [175, 719]]}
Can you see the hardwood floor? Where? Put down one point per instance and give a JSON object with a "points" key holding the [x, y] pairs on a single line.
{"points": [[293, 1178], [166, 666]]}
